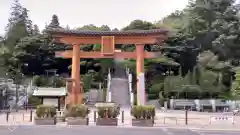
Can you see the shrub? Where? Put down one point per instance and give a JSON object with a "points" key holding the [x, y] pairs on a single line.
{"points": [[143, 112], [77, 111], [44, 111], [34, 101], [39, 81], [156, 88], [152, 96], [154, 91], [57, 82], [106, 110]]}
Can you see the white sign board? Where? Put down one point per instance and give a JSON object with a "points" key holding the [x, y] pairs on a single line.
{"points": [[50, 101], [222, 120]]}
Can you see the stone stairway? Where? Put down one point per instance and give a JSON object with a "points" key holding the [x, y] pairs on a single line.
{"points": [[119, 89], [94, 96], [119, 85]]}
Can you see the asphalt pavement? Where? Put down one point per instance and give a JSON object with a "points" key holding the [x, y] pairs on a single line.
{"points": [[95, 130]]}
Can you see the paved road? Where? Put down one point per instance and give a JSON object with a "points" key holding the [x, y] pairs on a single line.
{"points": [[89, 130]]}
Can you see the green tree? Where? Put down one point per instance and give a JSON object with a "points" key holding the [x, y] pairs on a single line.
{"points": [[236, 86], [19, 25], [227, 27], [175, 21], [36, 30], [95, 28], [140, 25], [54, 22]]}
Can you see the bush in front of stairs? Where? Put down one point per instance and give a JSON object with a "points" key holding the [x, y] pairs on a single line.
{"points": [[77, 115], [108, 110], [143, 112], [143, 115], [81, 111]]}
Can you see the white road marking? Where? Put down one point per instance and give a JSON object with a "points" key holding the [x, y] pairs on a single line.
{"points": [[196, 131], [167, 131]]}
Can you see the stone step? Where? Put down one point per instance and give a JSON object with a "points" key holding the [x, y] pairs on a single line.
{"points": [[120, 91]]}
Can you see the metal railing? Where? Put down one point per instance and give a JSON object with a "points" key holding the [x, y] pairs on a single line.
{"points": [[130, 86], [108, 99]]}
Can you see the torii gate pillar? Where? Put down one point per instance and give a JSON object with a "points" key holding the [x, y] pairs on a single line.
{"points": [[76, 92], [141, 94]]}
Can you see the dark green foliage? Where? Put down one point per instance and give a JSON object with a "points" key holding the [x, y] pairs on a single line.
{"points": [[43, 81], [140, 25], [154, 90], [18, 26], [143, 112], [87, 81], [55, 22], [108, 111], [77, 111], [44, 111], [34, 101], [203, 25]]}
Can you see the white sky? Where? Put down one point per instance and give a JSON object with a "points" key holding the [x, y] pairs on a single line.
{"points": [[76, 13]]}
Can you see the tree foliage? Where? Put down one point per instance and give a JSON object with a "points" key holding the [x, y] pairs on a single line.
{"points": [[203, 46]]}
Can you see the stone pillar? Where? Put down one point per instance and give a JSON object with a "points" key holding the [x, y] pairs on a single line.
{"points": [[76, 93], [213, 102], [141, 95], [198, 105], [130, 88]]}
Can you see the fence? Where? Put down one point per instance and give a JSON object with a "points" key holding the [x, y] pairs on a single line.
{"points": [[125, 118]]}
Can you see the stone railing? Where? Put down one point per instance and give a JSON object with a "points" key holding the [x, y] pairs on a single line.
{"points": [[130, 86], [108, 95]]}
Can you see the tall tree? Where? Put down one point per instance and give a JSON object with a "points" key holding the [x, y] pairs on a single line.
{"points": [[95, 28], [227, 25], [204, 16], [105, 28], [19, 25], [174, 21], [54, 22], [140, 25], [27, 21], [115, 29], [35, 30]]}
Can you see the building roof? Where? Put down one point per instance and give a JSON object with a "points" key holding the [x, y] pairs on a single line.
{"points": [[50, 92], [106, 33]]}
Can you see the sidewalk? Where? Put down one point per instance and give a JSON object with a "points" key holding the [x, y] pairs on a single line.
{"points": [[162, 120]]}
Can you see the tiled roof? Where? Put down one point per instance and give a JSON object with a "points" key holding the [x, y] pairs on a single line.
{"points": [[106, 33], [49, 91]]}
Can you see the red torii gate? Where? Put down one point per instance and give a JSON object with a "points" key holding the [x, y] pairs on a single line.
{"points": [[107, 39]]}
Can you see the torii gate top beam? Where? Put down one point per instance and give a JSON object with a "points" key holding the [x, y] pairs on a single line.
{"points": [[71, 37]]}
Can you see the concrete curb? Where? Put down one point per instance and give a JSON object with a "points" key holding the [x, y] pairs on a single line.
{"points": [[129, 127], [190, 128]]}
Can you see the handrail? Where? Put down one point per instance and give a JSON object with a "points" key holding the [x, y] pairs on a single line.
{"points": [[108, 86], [130, 86]]}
